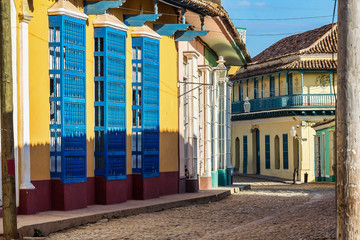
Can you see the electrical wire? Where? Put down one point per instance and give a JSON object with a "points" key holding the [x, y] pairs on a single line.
{"points": [[233, 19], [278, 19]]}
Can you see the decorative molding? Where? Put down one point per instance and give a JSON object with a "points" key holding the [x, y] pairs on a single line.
{"points": [[145, 31], [108, 20], [63, 7]]}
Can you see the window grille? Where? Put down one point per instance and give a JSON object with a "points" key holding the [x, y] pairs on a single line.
{"points": [[67, 76], [110, 103], [145, 106]]}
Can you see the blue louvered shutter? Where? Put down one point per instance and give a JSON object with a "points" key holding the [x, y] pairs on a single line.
{"points": [[245, 152], [285, 152], [67, 46], [150, 86], [267, 151], [110, 103]]}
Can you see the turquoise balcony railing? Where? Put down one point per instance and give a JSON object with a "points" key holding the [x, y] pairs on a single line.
{"points": [[288, 101]]}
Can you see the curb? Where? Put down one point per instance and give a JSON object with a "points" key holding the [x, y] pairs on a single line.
{"points": [[50, 227]]}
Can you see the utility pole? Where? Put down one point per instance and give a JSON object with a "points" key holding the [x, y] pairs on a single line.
{"points": [[348, 121], [7, 134]]}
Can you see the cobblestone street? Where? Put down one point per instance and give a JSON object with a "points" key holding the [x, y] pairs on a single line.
{"points": [[271, 210]]}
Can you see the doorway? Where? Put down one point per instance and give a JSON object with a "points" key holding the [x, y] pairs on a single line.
{"points": [[237, 154], [256, 149]]}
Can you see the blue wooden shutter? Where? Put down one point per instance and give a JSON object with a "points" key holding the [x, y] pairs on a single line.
{"points": [[110, 103], [245, 157], [285, 152], [267, 151], [150, 86], [67, 45]]}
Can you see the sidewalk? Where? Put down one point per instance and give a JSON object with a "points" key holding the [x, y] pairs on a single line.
{"points": [[53, 221], [267, 178]]}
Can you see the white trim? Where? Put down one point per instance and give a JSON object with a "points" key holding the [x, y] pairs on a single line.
{"points": [[24, 107], [15, 94], [66, 12], [112, 25], [144, 33]]}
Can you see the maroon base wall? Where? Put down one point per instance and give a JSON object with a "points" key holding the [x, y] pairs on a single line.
{"points": [[169, 183], [68, 196], [53, 195], [36, 200], [110, 192], [182, 185], [152, 187], [192, 185]]}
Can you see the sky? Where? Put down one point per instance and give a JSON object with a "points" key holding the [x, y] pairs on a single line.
{"points": [[270, 9]]}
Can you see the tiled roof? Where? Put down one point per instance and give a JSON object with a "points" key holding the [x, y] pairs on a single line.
{"points": [[315, 64], [214, 10], [319, 40], [323, 122]]}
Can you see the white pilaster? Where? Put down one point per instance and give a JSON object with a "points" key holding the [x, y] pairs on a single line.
{"points": [[228, 125], [192, 101], [207, 120], [24, 103], [215, 124]]}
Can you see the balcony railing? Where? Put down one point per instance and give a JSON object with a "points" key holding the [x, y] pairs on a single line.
{"points": [[288, 101]]}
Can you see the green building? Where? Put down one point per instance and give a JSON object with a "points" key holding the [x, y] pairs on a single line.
{"points": [[325, 149]]}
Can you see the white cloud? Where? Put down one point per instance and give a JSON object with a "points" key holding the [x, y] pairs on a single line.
{"points": [[244, 3], [260, 4]]}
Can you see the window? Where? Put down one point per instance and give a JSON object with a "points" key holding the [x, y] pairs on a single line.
{"points": [[277, 152], [285, 152], [110, 103], [245, 152], [67, 96], [272, 86], [267, 151], [145, 106], [256, 88], [289, 84]]}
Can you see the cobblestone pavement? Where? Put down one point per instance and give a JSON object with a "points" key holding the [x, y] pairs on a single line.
{"points": [[270, 210]]}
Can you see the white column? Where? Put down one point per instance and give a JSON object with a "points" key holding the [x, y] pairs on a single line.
{"points": [[207, 120], [192, 98], [228, 125], [24, 103], [224, 117], [215, 123]]}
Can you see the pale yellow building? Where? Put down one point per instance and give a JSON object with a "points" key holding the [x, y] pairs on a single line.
{"points": [[277, 98]]}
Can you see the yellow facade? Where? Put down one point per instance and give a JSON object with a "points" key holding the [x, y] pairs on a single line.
{"points": [[39, 90], [312, 83]]}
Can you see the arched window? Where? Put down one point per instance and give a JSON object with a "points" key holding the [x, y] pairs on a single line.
{"points": [[277, 152]]}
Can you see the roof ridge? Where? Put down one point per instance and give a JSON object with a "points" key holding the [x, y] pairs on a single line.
{"points": [[316, 43]]}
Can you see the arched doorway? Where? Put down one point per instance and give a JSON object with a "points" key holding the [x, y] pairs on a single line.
{"points": [[237, 154]]}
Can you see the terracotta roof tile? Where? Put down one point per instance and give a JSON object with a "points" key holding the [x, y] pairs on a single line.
{"points": [[316, 64], [319, 40]]}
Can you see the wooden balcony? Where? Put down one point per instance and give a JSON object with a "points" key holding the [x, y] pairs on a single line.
{"points": [[306, 101]]}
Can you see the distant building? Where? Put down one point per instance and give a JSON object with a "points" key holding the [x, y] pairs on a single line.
{"points": [[325, 151], [277, 98]]}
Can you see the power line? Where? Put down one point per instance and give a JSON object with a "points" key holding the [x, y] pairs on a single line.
{"points": [[233, 19], [278, 19]]}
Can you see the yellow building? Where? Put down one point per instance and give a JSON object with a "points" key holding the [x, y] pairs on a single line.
{"points": [[96, 99], [277, 98]]}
